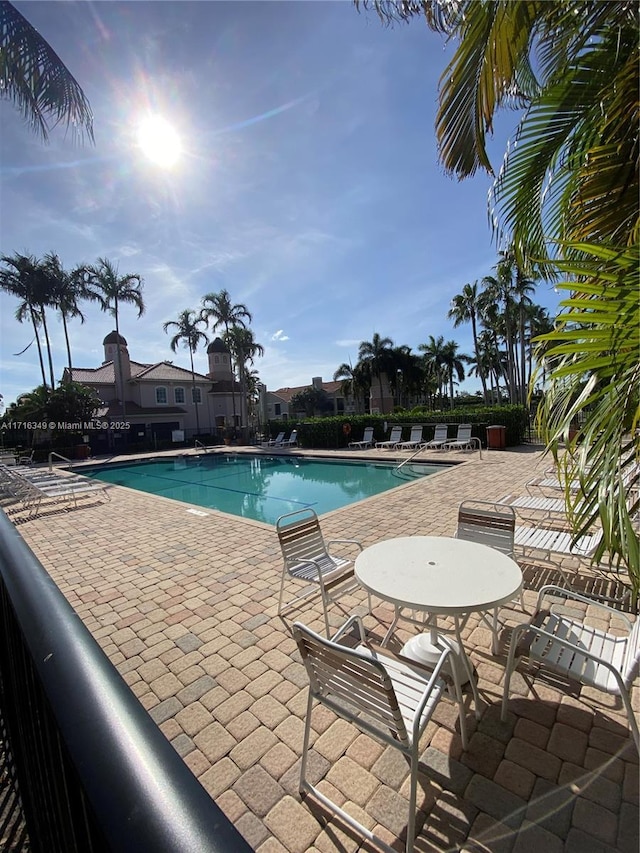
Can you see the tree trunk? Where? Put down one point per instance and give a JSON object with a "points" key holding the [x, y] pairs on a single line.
{"points": [[39, 345], [193, 392], [48, 342], [66, 340]]}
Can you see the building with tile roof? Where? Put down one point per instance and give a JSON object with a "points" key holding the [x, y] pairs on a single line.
{"points": [[276, 405], [160, 401]]}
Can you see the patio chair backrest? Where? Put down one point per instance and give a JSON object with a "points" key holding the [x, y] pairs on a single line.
{"points": [[464, 432], [440, 432], [416, 433], [487, 523], [368, 433], [300, 537], [395, 434], [348, 682]]}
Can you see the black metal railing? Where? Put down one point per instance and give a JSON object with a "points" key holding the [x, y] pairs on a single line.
{"points": [[93, 771]]}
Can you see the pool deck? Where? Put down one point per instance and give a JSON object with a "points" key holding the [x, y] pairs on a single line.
{"points": [[184, 604]]}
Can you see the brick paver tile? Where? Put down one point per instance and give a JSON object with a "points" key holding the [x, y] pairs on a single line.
{"points": [[252, 748], [352, 780], [214, 741], [534, 759], [533, 839], [258, 790], [568, 743], [293, 825], [595, 820]]}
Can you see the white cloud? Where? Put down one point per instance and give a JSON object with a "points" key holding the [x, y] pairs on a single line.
{"points": [[279, 336]]}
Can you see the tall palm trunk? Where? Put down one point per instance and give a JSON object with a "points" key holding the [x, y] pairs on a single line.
{"points": [[48, 343], [193, 392], [119, 357], [66, 340], [483, 379], [38, 344]]}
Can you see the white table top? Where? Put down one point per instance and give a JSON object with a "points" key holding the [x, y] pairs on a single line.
{"points": [[438, 574]]}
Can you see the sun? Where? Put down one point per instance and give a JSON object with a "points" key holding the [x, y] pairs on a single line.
{"points": [[159, 141]]}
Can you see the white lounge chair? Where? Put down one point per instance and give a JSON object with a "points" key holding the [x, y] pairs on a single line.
{"points": [[388, 697], [395, 436], [439, 438], [415, 440], [463, 439], [365, 441], [308, 560], [277, 440], [530, 505], [579, 649], [291, 441]]}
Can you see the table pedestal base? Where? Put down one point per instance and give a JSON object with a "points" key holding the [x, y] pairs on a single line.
{"points": [[423, 649]]}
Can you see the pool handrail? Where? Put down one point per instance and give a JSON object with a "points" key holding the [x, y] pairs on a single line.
{"points": [[60, 456], [197, 443]]}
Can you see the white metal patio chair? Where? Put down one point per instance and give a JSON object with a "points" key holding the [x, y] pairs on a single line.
{"points": [[415, 440], [567, 644], [395, 436], [277, 440], [463, 439], [439, 439], [386, 696], [292, 441], [365, 441], [308, 560], [490, 524]]}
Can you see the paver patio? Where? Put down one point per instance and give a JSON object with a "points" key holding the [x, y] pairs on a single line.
{"points": [[185, 606]]}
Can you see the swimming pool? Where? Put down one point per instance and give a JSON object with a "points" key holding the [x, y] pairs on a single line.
{"points": [[261, 488]]}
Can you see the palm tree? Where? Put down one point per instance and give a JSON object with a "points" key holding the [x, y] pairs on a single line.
{"points": [[190, 336], [453, 366], [355, 383], [464, 309], [17, 279], [36, 80], [68, 289], [111, 289], [376, 353], [219, 308], [243, 348], [434, 359], [570, 185]]}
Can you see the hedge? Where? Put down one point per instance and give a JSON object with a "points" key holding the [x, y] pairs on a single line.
{"points": [[336, 432]]}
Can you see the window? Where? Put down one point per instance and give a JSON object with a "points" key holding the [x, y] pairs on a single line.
{"points": [[178, 395], [196, 395], [278, 408], [161, 395]]}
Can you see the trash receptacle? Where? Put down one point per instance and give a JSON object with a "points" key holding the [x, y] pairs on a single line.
{"points": [[82, 451], [496, 437]]}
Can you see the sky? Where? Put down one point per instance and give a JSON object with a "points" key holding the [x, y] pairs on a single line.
{"points": [[308, 182]]}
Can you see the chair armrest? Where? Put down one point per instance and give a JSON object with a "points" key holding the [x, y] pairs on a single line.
{"points": [[577, 596], [521, 629], [351, 621]]}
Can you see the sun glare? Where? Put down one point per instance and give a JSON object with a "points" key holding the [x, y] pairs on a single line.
{"points": [[159, 141]]}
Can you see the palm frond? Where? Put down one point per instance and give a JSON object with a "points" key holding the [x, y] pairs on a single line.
{"points": [[34, 77]]}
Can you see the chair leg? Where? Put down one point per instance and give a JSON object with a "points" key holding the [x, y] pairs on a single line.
{"points": [[411, 823], [511, 664], [305, 745]]}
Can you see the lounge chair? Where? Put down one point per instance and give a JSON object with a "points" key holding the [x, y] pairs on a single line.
{"points": [[395, 436], [463, 439], [275, 441], [439, 438], [365, 441], [26, 459], [292, 441], [33, 493], [307, 558], [387, 697], [415, 440], [568, 644], [530, 505]]}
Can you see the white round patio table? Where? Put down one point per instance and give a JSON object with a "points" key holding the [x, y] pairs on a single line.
{"points": [[439, 576]]}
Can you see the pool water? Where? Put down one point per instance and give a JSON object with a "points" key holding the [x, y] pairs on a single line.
{"points": [[261, 488]]}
